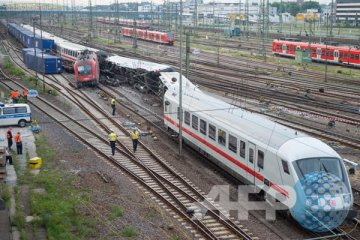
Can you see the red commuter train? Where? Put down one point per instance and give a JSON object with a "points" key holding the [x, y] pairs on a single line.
{"points": [[320, 52], [152, 36], [126, 22], [86, 69]]}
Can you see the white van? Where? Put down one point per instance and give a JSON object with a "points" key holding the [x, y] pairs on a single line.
{"points": [[14, 114]]}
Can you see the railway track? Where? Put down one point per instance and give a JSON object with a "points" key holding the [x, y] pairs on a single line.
{"points": [[148, 169]]}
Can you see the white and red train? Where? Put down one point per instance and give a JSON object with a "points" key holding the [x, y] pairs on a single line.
{"points": [[320, 52], [152, 36], [123, 22], [278, 160]]}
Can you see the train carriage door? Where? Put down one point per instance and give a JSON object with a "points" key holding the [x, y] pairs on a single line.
{"points": [[284, 48], [251, 160], [336, 56], [318, 53]]}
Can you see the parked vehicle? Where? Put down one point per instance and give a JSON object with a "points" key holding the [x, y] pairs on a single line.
{"points": [[15, 114]]}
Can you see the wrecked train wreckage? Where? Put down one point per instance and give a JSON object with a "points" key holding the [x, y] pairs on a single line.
{"points": [[142, 75]]}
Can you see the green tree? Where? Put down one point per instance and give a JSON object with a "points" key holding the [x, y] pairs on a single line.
{"points": [[293, 8], [310, 5]]}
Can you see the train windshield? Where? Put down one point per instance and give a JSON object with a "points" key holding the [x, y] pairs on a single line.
{"points": [[309, 165], [85, 69]]}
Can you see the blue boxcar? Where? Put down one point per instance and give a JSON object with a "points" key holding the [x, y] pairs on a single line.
{"points": [[26, 50], [26, 37], [45, 63]]}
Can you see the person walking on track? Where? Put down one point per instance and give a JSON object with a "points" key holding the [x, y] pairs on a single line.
{"points": [[135, 138], [25, 94], [113, 101], [8, 156], [9, 137], [112, 139], [18, 143]]}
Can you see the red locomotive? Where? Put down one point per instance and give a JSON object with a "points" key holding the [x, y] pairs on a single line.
{"points": [[86, 69], [342, 55], [152, 36]]}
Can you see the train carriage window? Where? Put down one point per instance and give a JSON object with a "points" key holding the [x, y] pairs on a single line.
{"points": [[242, 149], [341, 55], [212, 132], [221, 137], [318, 51], [260, 160], [345, 55], [331, 54], [352, 56], [336, 54], [202, 126], [195, 122], [357, 56], [187, 118], [285, 166], [232, 143], [251, 155]]}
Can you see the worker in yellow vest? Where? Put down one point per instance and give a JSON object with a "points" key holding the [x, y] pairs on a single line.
{"points": [[134, 137], [112, 139], [113, 101]]}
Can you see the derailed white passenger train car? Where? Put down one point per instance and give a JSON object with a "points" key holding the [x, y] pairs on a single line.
{"points": [[264, 153]]}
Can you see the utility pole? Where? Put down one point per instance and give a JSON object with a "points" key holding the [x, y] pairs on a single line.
{"points": [[117, 22], [239, 13], [247, 19], [42, 52], [187, 54], [34, 25], [331, 18], [280, 15], [134, 34], [180, 113], [91, 30]]}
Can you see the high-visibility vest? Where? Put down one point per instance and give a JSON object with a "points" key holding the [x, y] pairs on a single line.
{"points": [[134, 135], [17, 138], [113, 101], [15, 95], [25, 92], [112, 137]]}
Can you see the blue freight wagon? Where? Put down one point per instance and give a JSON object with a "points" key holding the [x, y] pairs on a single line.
{"points": [[231, 32], [27, 38], [43, 63], [26, 50]]}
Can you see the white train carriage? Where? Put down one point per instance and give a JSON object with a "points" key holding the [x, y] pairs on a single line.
{"points": [[264, 153]]}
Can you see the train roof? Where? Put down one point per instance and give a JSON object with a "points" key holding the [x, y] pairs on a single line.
{"points": [[171, 78], [63, 42], [259, 129], [137, 64], [321, 45]]}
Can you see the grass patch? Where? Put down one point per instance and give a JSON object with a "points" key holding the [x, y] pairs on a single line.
{"points": [[60, 207], [129, 232], [11, 69], [19, 216], [6, 195], [116, 212]]}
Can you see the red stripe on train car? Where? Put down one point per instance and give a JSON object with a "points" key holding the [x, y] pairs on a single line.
{"points": [[228, 157]]}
